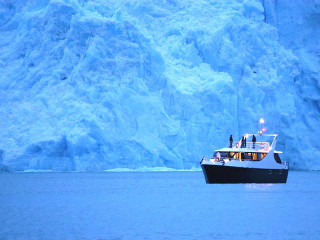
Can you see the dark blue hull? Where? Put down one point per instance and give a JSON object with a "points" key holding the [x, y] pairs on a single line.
{"points": [[225, 174]]}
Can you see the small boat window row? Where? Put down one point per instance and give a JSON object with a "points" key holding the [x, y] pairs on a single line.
{"points": [[250, 156]]}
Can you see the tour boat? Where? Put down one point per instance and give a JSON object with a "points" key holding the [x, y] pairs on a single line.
{"points": [[250, 162]]}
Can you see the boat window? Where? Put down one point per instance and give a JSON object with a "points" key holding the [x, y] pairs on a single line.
{"points": [[249, 156], [237, 156], [254, 156], [227, 154], [261, 156], [222, 154], [277, 158]]}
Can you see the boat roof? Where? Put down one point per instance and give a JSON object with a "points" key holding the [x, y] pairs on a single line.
{"points": [[245, 150]]}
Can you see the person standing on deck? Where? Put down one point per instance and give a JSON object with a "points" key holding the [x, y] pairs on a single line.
{"points": [[254, 141], [242, 142], [245, 141], [231, 141]]}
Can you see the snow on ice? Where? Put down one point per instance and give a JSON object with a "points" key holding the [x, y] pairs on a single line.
{"points": [[96, 85]]}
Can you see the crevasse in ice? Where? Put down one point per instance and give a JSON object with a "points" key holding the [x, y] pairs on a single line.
{"points": [[93, 85]]}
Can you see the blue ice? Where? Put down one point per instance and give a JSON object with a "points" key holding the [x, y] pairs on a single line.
{"points": [[98, 85]]}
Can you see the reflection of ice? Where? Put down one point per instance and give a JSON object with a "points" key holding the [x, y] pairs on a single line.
{"points": [[152, 169], [264, 187]]}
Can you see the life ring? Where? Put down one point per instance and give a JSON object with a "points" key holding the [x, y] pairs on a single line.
{"points": [[237, 146]]}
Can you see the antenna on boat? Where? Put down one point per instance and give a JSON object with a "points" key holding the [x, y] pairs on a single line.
{"points": [[262, 129]]}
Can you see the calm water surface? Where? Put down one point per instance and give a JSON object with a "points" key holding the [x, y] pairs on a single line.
{"points": [[156, 205]]}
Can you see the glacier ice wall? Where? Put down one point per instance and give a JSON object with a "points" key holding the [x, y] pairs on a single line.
{"points": [[298, 25], [92, 85]]}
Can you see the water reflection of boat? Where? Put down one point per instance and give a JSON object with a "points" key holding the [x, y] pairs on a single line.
{"points": [[255, 162]]}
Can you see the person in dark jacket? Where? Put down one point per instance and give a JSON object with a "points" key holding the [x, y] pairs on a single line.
{"points": [[231, 141], [254, 141], [245, 141], [242, 142]]}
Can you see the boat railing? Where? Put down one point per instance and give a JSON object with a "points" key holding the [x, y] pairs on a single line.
{"points": [[251, 145]]}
